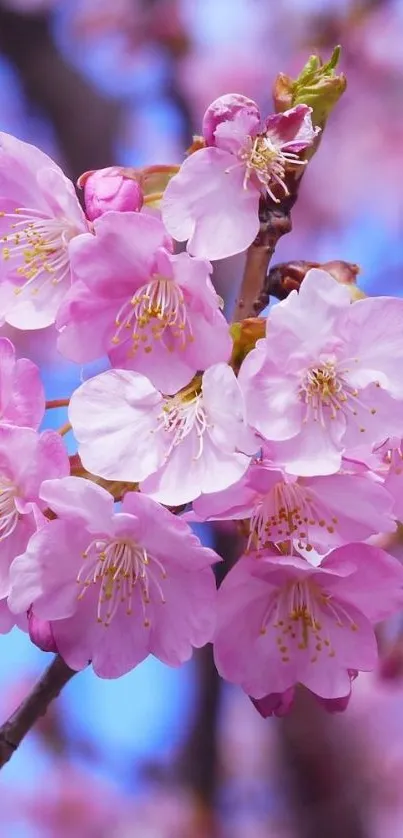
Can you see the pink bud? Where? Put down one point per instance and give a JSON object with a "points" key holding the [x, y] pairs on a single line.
{"points": [[40, 632], [108, 189], [224, 109]]}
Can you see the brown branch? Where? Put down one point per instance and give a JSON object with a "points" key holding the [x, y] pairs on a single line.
{"points": [[287, 276], [275, 221], [324, 773], [85, 122], [198, 765], [50, 684]]}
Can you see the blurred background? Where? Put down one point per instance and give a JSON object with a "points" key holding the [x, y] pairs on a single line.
{"points": [[177, 754]]}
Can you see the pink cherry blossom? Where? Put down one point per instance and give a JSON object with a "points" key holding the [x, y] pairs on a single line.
{"points": [[149, 310], [39, 216], [282, 621], [213, 201], [319, 391], [110, 189], [116, 586], [26, 459], [176, 446], [22, 398], [317, 512]]}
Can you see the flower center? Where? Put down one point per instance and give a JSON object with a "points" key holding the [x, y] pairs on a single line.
{"points": [[295, 612], [8, 513], [120, 567], [268, 163], [157, 311], [184, 414], [39, 246], [287, 512], [325, 393]]}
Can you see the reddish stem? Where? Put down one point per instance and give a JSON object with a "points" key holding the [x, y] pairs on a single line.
{"points": [[52, 403]]}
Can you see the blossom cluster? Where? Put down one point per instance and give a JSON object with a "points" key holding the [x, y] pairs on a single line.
{"points": [[300, 448]]}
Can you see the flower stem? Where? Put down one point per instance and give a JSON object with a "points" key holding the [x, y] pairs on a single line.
{"points": [[57, 403], [64, 429], [275, 221], [50, 684]]}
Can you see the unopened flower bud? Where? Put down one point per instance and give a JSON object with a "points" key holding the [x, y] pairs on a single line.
{"points": [[317, 85], [287, 276], [113, 188], [244, 335], [41, 634]]}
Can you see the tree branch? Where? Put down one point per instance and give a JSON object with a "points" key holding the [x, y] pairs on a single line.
{"points": [[275, 221], [85, 122], [50, 684], [324, 773]]}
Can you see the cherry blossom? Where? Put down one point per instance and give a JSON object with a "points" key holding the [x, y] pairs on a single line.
{"points": [[283, 621], [115, 586], [316, 512], [149, 310], [26, 459], [176, 446], [22, 399], [39, 216], [213, 201], [317, 392]]}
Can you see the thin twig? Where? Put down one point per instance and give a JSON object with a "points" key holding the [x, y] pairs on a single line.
{"points": [[64, 429], [53, 403], [50, 684], [275, 221]]}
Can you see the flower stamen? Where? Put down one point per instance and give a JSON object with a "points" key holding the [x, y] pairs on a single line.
{"points": [[40, 244], [119, 566], [157, 311]]}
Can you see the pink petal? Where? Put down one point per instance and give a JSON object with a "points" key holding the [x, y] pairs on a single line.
{"points": [[45, 575], [292, 130], [225, 406], [40, 632], [38, 311], [233, 135], [352, 507], [373, 330], [26, 406], [225, 109], [166, 536], [119, 258], [274, 407], [206, 203], [80, 500], [168, 366], [375, 586], [186, 619], [185, 475], [114, 418], [82, 640], [86, 323], [315, 451]]}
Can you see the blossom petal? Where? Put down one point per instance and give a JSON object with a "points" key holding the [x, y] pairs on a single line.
{"points": [[80, 500], [206, 203], [114, 417]]}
